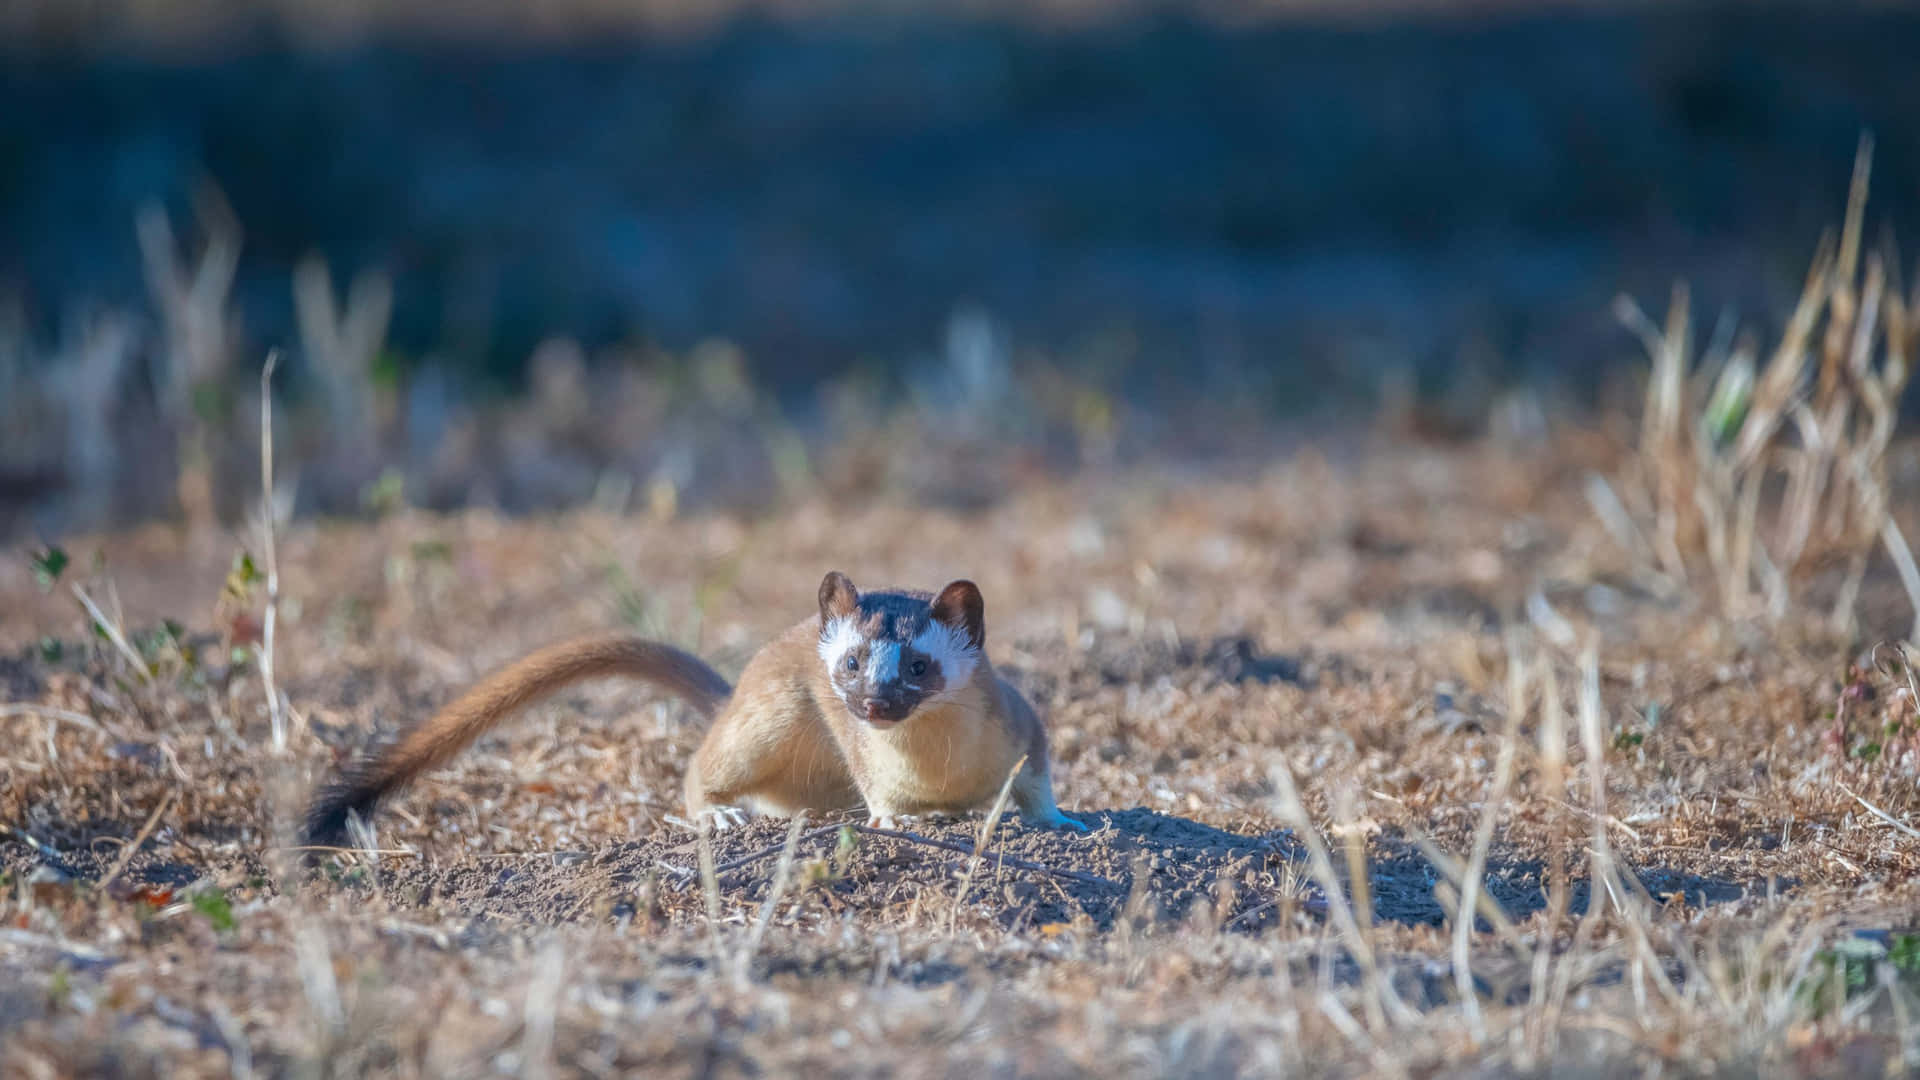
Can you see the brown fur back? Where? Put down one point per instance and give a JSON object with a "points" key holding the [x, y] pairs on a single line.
{"points": [[499, 696]]}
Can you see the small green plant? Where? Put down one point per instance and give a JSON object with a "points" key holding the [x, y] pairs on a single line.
{"points": [[211, 402], [48, 565], [387, 370], [59, 986], [1853, 967], [216, 908], [1904, 954], [629, 602], [386, 494], [160, 641], [432, 551], [844, 845], [241, 580]]}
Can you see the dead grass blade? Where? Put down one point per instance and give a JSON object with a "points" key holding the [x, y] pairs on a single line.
{"points": [[1548, 621], [1902, 555], [114, 634], [315, 961], [1382, 1000], [1003, 858], [1619, 884], [1470, 884], [129, 851], [540, 1012], [63, 716], [1544, 996], [1619, 523], [709, 882], [276, 711], [239, 1050], [1455, 871], [1353, 845], [731, 865], [782, 876], [1879, 813], [987, 828]]}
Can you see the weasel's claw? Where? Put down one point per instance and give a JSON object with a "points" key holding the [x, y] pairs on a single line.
{"points": [[882, 821], [724, 817]]}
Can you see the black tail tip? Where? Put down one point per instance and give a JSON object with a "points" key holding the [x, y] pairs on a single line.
{"points": [[326, 824]]}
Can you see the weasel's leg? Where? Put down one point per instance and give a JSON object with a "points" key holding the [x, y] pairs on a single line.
{"points": [[1033, 794], [773, 761], [1033, 788], [726, 767]]}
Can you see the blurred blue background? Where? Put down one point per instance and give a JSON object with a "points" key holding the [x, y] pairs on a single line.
{"points": [[1282, 211]]}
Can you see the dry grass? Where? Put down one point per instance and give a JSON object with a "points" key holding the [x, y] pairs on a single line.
{"points": [[1686, 883], [1770, 475]]}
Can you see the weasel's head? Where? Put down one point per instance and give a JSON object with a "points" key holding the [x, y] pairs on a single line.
{"points": [[889, 653]]}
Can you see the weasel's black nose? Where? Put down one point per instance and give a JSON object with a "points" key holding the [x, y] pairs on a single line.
{"points": [[882, 710]]}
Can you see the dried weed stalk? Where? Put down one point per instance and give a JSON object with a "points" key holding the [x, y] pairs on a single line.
{"points": [[1470, 884], [1543, 1005], [130, 850], [709, 884], [341, 344], [541, 1010], [193, 301], [987, 828], [276, 712], [116, 634], [1381, 1000], [782, 877]]}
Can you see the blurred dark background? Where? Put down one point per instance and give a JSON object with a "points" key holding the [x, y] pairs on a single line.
{"points": [[799, 222]]}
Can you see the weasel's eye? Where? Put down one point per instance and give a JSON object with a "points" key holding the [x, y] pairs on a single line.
{"points": [[853, 662], [918, 668]]}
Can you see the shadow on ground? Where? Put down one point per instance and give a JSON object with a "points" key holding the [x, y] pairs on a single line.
{"points": [[1136, 865]]}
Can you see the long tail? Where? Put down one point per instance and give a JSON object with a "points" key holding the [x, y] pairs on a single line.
{"points": [[423, 746]]}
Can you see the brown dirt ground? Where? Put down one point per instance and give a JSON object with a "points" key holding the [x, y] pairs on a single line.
{"points": [[536, 912]]}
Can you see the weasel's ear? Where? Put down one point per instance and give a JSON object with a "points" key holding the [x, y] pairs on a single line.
{"points": [[838, 597], [959, 606]]}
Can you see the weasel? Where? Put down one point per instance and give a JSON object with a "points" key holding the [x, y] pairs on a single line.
{"points": [[883, 699]]}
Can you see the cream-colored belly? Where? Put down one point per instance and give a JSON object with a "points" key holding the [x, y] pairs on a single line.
{"points": [[951, 760]]}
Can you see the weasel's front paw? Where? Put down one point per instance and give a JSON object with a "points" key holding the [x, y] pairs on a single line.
{"points": [[1058, 820]]}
